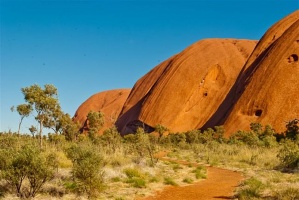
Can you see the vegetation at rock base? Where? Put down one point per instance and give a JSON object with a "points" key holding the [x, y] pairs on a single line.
{"points": [[91, 166]]}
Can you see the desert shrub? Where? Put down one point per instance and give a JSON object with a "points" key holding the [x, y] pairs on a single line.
{"points": [[137, 182], [28, 170], [86, 170], [200, 172], [252, 188], [142, 146], [177, 139], [135, 177], [292, 131], [206, 136], [161, 129], [111, 139], [169, 181], [287, 194], [188, 180], [249, 138], [289, 155], [132, 172], [192, 136], [116, 179]]}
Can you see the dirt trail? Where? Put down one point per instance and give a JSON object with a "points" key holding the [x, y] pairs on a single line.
{"points": [[220, 184]]}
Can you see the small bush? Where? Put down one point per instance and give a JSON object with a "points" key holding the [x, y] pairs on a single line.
{"points": [[130, 172], [116, 179], [154, 180], [289, 155], [137, 182], [188, 180], [252, 189], [86, 171], [287, 194], [27, 165], [169, 181], [200, 172]]}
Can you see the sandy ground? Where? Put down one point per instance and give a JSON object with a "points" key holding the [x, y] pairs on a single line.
{"points": [[220, 184]]}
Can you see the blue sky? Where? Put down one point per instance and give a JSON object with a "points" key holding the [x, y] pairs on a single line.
{"points": [[85, 47]]}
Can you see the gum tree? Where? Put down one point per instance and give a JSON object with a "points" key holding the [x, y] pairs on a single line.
{"points": [[24, 110], [44, 102]]}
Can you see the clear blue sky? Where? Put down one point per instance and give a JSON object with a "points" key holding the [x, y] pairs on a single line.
{"points": [[84, 47]]}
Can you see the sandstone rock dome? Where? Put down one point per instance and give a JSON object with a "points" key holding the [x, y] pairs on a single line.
{"points": [[183, 92], [267, 91], [109, 102]]}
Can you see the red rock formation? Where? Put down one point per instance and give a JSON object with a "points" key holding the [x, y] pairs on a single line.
{"points": [[109, 102], [267, 91], [183, 92]]}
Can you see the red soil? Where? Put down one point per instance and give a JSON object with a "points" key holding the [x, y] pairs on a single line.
{"points": [[220, 184]]}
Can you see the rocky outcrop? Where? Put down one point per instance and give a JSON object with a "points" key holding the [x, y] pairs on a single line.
{"points": [[267, 91], [183, 92], [213, 82], [109, 102]]}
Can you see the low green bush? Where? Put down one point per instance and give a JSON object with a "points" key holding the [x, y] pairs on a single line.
{"points": [[251, 189], [188, 180], [169, 181], [289, 155], [200, 172]]}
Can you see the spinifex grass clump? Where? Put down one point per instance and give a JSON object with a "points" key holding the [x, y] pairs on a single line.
{"points": [[252, 188], [200, 172], [135, 177]]}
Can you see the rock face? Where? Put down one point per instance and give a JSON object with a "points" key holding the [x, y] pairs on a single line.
{"points": [[213, 82], [267, 90], [183, 92], [109, 102]]}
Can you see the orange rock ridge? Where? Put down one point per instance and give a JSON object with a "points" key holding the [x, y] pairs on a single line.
{"points": [[183, 92], [109, 102], [268, 91], [213, 82]]}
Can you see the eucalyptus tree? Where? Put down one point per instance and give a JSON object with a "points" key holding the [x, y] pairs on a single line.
{"points": [[24, 110], [45, 103]]}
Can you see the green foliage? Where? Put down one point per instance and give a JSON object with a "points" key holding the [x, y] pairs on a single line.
{"points": [[206, 136], [71, 131], [292, 131], [161, 129], [289, 155], [200, 172], [192, 136], [111, 138], [177, 139], [27, 165], [24, 110], [132, 172], [243, 137], [188, 180], [137, 182], [45, 103], [169, 181], [86, 171], [252, 189], [135, 178], [142, 144], [95, 122], [287, 194]]}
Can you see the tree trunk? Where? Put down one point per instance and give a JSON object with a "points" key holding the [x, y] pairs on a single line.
{"points": [[20, 126], [40, 134]]}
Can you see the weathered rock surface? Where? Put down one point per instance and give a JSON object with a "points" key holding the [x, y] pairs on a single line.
{"points": [[183, 92], [109, 102], [267, 91]]}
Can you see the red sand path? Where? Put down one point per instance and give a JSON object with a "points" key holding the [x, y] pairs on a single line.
{"points": [[220, 184]]}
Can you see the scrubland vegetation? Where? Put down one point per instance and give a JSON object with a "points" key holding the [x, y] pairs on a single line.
{"points": [[115, 167], [68, 164]]}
